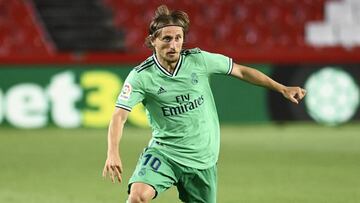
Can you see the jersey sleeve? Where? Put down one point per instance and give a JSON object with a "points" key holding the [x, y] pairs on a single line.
{"points": [[217, 63], [132, 92]]}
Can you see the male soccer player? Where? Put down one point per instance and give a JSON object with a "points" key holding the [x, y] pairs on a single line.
{"points": [[173, 85]]}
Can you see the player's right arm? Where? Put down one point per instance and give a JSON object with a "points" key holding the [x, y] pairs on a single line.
{"points": [[253, 76], [131, 94], [113, 165]]}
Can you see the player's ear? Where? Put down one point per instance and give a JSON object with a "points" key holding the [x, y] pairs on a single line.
{"points": [[151, 39]]}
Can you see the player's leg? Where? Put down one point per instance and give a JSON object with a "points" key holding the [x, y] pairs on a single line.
{"points": [[153, 175], [198, 185], [141, 192]]}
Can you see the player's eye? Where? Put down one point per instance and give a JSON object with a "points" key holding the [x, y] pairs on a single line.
{"points": [[167, 39]]}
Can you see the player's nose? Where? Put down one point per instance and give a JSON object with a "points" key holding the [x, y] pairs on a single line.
{"points": [[172, 45]]}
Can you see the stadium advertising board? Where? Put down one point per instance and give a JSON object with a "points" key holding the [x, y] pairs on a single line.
{"points": [[333, 93], [84, 96], [71, 96]]}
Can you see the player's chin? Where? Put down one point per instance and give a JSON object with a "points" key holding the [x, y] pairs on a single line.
{"points": [[172, 57]]}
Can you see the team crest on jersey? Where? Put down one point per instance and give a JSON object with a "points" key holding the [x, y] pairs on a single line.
{"points": [[126, 92], [194, 79]]}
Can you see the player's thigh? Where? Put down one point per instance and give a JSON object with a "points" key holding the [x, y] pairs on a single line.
{"points": [[199, 186], [155, 170]]}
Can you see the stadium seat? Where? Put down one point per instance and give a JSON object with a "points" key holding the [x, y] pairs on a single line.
{"points": [[340, 26], [338, 13], [320, 34], [349, 36]]}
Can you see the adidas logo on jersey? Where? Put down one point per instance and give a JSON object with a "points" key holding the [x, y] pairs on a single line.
{"points": [[161, 90]]}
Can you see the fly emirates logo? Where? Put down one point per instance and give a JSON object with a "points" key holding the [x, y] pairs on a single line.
{"points": [[185, 104]]}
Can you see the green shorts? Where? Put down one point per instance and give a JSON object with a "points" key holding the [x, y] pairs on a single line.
{"points": [[160, 172]]}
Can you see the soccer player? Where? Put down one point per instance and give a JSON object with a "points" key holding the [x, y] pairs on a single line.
{"points": [[173, 84]]}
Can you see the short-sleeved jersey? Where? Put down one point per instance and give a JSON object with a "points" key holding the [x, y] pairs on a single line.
{"points": [[180, 105]]}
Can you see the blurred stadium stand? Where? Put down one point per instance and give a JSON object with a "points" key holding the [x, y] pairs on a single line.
{"points": [[20, 33], [250, 24], [341, 25], [81, 25], [271, 31]]}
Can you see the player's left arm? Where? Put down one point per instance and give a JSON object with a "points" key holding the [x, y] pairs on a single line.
{"points": [[253, 76]]}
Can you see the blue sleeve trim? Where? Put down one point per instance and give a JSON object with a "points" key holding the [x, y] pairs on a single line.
{"points": [[123, 107], [231, 65]]}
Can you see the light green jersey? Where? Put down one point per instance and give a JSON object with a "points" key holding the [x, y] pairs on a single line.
{"points": [[180, 105]]}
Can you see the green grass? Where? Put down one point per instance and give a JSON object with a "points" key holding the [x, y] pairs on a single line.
{"points": [[295, 163]]}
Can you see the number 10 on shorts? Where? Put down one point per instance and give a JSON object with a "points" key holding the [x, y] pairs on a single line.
{"points": [[154, 162]]}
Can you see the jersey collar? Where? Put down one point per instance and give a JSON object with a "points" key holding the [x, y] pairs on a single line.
{"points": [[163, 70]]}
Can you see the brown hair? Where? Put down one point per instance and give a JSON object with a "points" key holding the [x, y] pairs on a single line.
{"points": [[163, 18]]}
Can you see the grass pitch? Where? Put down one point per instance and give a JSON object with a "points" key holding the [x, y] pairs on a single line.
{"points": [[295, 163]]}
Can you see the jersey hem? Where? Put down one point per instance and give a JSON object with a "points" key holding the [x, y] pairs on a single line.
{"points": [[199, 166]]}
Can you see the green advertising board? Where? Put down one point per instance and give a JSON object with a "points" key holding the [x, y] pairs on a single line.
{"points": [[70, 96]]}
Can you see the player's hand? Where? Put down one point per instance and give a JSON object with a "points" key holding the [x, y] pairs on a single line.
{"points": [[294, 94], [113, 167]]}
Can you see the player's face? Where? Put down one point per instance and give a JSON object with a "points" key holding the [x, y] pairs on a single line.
{"points": [[169, 43]]}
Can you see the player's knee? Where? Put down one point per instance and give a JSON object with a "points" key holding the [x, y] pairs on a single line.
{"points": [[138, 197], [140, 192]]}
